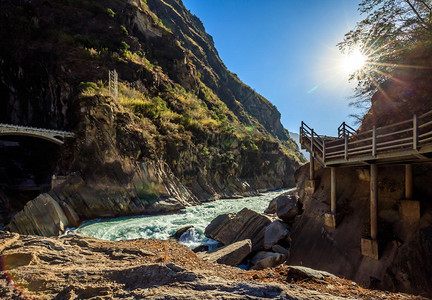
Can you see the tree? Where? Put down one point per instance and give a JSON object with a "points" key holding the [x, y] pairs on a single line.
{"points": [[390, 29]]}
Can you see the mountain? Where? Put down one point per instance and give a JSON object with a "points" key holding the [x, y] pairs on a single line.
{"points": [[178, 129]]}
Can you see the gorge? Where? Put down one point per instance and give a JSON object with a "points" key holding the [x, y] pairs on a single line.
{"points": [[163, 136]]}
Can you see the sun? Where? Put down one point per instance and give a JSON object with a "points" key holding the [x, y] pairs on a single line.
{"points": [[354, 61]]}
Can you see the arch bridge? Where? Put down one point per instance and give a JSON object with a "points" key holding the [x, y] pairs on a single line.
{"points": [[55, 136]]}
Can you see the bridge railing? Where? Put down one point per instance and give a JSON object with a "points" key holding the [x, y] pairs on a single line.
{"points": [[408, 134], [32, 129]]}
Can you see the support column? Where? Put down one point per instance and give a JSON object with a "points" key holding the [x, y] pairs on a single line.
{"points": [[409, 208], [333, 190], [330, 219], [369, 247], [311, 183], [374, 201], [311, 167], [408, 182]]}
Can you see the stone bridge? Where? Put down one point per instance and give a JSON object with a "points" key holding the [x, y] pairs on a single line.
{"points": [[54, 136]]}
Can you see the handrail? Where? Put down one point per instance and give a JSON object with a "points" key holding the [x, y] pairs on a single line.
{"points": [[404, 135], [26, 128]]}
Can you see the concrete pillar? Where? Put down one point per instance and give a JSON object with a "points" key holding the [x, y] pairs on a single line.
{"points": [[333, 191], [374, 201], [408, 182], [311, 167]]}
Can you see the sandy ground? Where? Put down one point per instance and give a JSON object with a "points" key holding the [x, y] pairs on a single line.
{"points": [[77, 267]]}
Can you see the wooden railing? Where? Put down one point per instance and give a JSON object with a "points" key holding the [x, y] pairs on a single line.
{"points": [[409, 134]]}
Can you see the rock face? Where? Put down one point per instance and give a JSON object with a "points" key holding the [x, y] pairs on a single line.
{"points": [[176, 135], [246, 224], [231, 255], [405, 261]]}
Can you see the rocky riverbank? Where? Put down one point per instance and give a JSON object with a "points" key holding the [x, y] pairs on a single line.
{"points": [[77, 267]]}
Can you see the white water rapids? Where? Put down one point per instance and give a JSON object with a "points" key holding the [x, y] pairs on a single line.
{"points": [[163, 226]]}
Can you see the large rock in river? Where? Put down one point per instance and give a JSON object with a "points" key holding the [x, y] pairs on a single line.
{"points": [[286, 207], [246, 224]]}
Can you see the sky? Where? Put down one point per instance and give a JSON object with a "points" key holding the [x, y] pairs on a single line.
{"points": [[286, 51]]}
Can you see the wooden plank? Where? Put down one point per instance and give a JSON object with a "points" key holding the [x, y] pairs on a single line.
{"points": [[393, 125], [360, 141], [426, 140], [426, 114], [359, 152], [395, 146], [425, 124], [394, 141], [424, 135], [395, 132]]}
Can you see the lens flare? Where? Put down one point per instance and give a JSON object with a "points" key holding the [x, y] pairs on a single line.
{"points": [[354, 61]]}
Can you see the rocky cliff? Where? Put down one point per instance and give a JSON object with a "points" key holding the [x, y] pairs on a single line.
{"points": [[180, 129], [405, 245]]}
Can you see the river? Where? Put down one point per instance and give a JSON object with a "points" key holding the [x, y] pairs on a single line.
{"points": [[163, 226]]}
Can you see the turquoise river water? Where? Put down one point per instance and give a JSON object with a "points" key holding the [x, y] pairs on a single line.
{"points": [[162, 227]]}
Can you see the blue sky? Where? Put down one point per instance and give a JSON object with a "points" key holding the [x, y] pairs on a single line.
{"points": [[286, 51]]}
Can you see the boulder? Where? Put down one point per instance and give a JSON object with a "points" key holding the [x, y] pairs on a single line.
{"points": [[231, 255], [286, 207], [264, 259], [274, 233], [271, 209], [301, 273], [182, 230], [280, 249], [42, 215], [246, 224]]}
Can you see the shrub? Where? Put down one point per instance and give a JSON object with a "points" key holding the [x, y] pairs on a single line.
{"points": [[110, 12]]}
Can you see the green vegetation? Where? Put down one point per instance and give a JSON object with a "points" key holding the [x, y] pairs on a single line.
{"points": [[124, 30], [110, 13]]}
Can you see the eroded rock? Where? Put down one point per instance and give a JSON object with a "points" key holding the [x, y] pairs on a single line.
{"points": [[286, 207], [264, 259], [231, 255], [246, 224], [274, 233], [43, 215]]}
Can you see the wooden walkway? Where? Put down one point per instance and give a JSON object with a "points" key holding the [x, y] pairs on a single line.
{"points": [[403, 142], [54, 136]]}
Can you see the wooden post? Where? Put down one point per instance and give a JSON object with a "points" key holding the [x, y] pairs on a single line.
{"points": [[374, 201], [312, 141], [346, 147], [408, 182], [324, 150], [311, 167], [333, 187], [374, 141], [415, 132]]}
